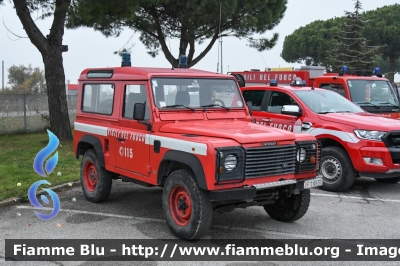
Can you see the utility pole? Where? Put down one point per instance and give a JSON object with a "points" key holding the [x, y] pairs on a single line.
{"points": [[221, 57], [2, 73]]}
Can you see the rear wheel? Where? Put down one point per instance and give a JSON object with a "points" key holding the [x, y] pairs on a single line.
{"points": [[336, 169], [187, 209], [95, 180], [289, 209], [391, 180]]}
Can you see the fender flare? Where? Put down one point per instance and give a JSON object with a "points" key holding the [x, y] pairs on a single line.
{"points": [[96, 143], [188, 159]]}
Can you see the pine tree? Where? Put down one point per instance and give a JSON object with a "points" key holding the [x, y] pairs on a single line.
{"points": [[351, 47]]}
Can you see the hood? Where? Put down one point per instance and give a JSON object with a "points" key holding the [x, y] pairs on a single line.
{"points": [[362, 121], [240, 131]]}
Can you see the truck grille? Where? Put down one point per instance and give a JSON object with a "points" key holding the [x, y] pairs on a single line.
{"points": [[312, 158], [269, 161], [392, 142]]}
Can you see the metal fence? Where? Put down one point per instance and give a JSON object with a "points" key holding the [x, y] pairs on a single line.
{"points": [[28, 113]]}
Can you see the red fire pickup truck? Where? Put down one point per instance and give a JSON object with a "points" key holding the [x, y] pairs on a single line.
{"points": [[354, 143]]}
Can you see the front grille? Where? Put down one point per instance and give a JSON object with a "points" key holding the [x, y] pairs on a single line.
{"points": [[392, 139], [312, 158], [392, 142], [270, 161]]}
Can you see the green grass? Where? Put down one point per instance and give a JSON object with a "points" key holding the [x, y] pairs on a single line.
{"points": [[17, 153]]}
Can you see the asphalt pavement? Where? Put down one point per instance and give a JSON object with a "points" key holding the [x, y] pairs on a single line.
{"points": [[370, 210]]}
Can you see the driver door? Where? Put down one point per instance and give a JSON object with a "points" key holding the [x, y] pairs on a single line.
{"points": [[276, 101]]}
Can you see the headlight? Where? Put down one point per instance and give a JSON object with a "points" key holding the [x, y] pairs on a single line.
{"points": [[301, 155], [230, 162], [369, 134]]}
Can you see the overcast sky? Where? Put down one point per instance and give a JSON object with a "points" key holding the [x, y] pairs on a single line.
{"points": [[89, 48]]}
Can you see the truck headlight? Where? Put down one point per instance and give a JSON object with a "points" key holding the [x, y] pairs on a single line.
{"points": [[230, 162], [301, 155], [369, 134]]}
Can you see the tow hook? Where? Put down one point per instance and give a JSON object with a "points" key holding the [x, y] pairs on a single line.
{"points": [[288, 193]]}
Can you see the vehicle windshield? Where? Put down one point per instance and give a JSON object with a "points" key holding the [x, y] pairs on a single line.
{"points": [[378, 92], [194, 93], [324, 101]]}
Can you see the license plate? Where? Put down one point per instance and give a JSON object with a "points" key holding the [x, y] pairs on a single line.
{"points": [[313, 183]]}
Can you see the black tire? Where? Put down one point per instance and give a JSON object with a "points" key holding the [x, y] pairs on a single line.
{"points": [[289, 209], [392, 180], [337, 171], [190, 218], [95, 180]]}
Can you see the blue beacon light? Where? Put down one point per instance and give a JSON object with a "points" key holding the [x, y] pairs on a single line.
{"points": [[182, 61], [126, 59]]}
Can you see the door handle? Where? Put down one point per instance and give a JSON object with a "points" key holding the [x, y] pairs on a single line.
{"points": [[120, 139], [266, 120]]}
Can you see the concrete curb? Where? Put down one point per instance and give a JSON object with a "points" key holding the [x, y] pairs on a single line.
{"points": [[58, 188]]}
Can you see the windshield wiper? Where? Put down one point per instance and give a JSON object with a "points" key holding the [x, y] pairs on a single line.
{"points": [[215, 105], [376, 106], [179, 105], [326, 112], [391, 104]]}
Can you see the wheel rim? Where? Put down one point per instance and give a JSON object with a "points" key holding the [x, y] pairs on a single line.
{"points": [[90, 176], [180, 206], [331, 169]]}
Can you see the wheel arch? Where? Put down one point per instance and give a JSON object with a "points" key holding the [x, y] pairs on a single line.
{"points": [[174, 160], [90, 142], [329, 142]]}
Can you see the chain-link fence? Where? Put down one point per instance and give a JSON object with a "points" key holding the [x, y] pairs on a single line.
{"points": [[27, 113]]}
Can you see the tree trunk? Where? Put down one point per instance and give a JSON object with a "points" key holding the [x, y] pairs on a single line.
{"points": [[51, 48], [57, 98]]}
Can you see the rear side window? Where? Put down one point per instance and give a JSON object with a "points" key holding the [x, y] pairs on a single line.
{"points": [[255, 97], [338, 88], [98, 98]]}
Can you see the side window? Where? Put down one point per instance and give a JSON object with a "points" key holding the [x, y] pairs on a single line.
{"points": [[255, 97], [135, 94], [98, 98], [338, 88], [278, 100]]}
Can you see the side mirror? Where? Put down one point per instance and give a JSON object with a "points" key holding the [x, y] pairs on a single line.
{"points": [[139, 111], [250, 106], [291, 110]]}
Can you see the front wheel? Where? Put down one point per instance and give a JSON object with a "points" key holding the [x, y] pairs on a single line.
{"points": [[391, 180], [187, 209], [289, 209], [95, 180], [337, 171]]}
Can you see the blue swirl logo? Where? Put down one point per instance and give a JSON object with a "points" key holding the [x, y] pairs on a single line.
{"points": [[44, 153], [49, 166], [32, 198]]}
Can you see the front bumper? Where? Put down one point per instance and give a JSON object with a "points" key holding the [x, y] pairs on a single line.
{"points": [[390, 158], [248, 193]]}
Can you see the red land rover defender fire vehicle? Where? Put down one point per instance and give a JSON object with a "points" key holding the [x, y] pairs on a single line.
{"points": [[189, 132], [374, 94], [354, 143]]}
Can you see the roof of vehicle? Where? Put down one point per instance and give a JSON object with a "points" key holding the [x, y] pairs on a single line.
{"points": [[336, 76], [287, 88], [143, 73]]}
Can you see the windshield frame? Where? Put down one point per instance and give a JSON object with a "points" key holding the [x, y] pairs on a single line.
{"points": [[352, 92], [300, 95], [155, 82]]}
